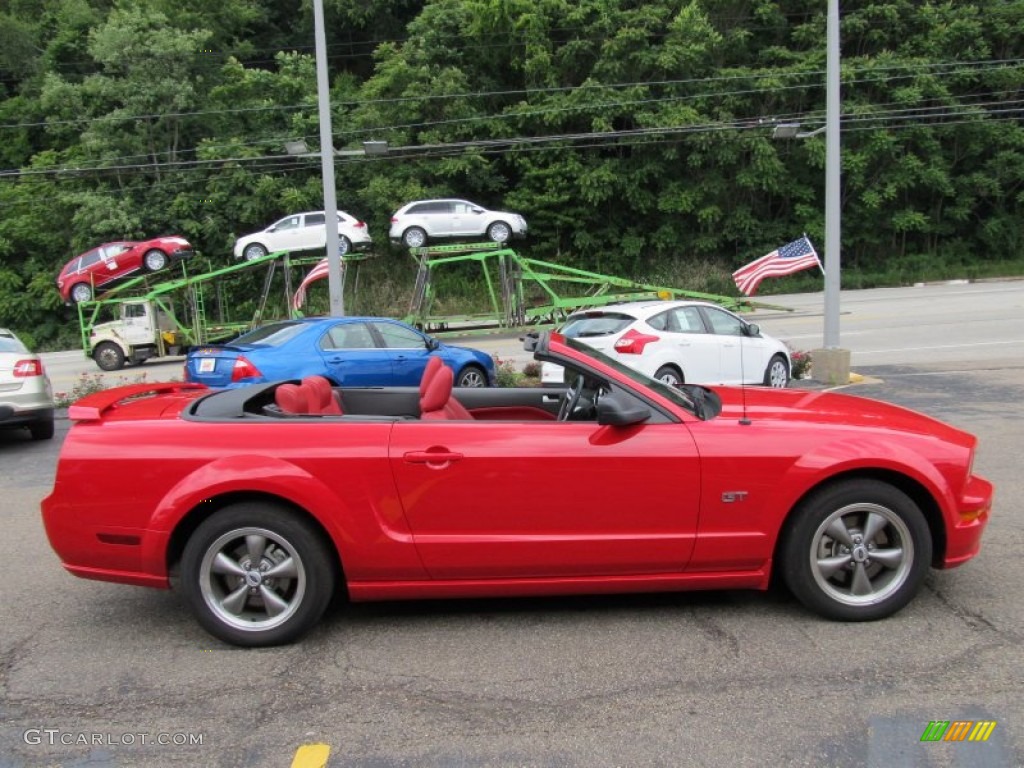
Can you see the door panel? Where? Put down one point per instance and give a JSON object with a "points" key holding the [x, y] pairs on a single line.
{"points": [[546, 499]]}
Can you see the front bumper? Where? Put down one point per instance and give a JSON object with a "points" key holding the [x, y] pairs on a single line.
{"points": [[963, 540]]}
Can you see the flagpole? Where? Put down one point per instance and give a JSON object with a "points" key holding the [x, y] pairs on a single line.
{"points": [[815, 252]]}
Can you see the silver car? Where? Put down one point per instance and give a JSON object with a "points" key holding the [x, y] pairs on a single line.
{"points": [[304, 232], [415, 224], [26, 397]]}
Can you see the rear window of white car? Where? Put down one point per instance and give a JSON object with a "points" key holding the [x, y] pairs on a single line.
{"points": [[596, 324]]}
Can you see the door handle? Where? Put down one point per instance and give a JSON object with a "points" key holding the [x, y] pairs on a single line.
{"points": [[431, 457], [550, 398]]}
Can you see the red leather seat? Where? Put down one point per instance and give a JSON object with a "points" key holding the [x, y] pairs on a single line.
{"points": [[436, 402], [322, 397], [291, 398]]}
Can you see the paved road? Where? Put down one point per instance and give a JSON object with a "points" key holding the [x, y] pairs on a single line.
{"points": [[723, 678]]}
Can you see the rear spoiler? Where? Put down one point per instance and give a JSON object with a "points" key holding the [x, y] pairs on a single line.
{"points": [[92, 407]]}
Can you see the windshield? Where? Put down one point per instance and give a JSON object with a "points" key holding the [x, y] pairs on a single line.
{"points": [[677, 396], [271, 335], [596, 324]]}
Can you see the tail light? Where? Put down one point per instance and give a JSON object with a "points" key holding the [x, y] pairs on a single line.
{"points": [[633, 342], [394, 219], [243, 369], [359, 225], [26, 368]]}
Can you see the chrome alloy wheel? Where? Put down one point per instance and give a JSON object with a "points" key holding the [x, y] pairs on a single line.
{"points": [[252, 579], [861, 554]]}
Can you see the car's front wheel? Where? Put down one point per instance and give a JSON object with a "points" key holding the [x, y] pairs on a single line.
{"points": [[254, 251], [777, 373], [108, 356], [471, 376], [257, 574], [81, 292], [856, 550], [155, 260], [414, 237], [670, 375], [499, 232]]}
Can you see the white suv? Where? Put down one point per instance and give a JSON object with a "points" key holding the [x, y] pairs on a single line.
{"points": [[677, 342], [416, 223], [304, 232]]}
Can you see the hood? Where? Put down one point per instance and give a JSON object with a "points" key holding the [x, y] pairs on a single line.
{"points": [[832, 409]]}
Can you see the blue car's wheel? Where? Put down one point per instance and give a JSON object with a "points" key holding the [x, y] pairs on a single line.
{"points": [[471, 376]]}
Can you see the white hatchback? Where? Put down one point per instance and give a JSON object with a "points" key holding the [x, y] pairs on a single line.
{"points": [[304, 232], [415, 224], [678, 342]]}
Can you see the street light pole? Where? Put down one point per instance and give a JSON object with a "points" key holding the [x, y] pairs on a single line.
{"points": [[833, 165], [334, 265]]}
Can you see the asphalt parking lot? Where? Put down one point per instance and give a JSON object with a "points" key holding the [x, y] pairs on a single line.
{"points": [[94, 674]]}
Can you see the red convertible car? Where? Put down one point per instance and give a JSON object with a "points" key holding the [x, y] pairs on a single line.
{"points": [[262, 502], [107, 263]]}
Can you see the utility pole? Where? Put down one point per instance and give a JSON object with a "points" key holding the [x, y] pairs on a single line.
{"points": [[335, 267]]}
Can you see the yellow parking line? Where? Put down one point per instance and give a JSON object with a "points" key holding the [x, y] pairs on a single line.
{"points": [[311, 756]]}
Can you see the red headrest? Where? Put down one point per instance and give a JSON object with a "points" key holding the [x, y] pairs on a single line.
{"points": [[291, 398], [439, 389], [434, 364], [321, 395]]}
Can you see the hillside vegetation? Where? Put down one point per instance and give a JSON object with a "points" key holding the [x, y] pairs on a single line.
{"points": [[636, 137]]}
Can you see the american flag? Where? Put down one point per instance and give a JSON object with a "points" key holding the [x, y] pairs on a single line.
{"points": [[319, 272], [788, 259]]}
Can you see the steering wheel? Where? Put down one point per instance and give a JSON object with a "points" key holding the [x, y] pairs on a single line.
{"points": [[572, 399]]}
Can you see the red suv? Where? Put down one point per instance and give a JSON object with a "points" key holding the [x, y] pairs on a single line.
{"points": [[106, 263]]}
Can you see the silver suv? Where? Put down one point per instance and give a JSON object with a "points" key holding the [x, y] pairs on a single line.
{"points": [[416, 223], [26, 398]]}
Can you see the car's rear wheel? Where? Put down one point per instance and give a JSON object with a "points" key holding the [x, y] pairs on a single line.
{"points": [[670, 375], [414, 237], [155, 260], [471, 376], [344, 245], [257, 574], [777, 373], [254, 251], [81, 292], [108, 356], [499, 232], [41, 430], [857, 550]]}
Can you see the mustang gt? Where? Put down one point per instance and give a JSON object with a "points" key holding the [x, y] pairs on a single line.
{"points": [[261, 503]]}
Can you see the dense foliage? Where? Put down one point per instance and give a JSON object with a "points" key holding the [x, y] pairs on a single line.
{"points": [[634, 136]]}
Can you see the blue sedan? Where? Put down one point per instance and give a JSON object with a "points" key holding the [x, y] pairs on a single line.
{"points": [[350, 351]]}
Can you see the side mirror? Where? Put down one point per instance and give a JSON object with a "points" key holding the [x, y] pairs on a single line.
{"points": [[753, 329], [530, 341], [478, 210], [432, 343], [616, 410]]}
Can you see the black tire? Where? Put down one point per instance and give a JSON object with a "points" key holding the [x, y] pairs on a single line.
{"points": [[499, 232], [41, 430], [670, 375], [777, 373], [80, 292], [414, 237], [154, 260], [108, 356], [344, 245], [254, 251], [856, 550], [239, 546], [471, 376]]}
